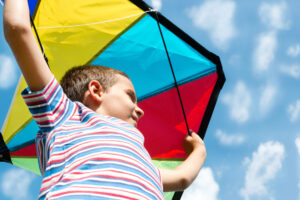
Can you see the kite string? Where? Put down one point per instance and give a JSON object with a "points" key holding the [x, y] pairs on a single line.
{"points": [[70, 26], [171, 66], [94, 23]]}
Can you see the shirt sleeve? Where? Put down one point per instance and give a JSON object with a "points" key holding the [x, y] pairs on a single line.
{"points": [[159, 176], [49, 107]]}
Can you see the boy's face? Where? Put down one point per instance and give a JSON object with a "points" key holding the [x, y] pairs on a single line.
{"points": [[120, 101]]}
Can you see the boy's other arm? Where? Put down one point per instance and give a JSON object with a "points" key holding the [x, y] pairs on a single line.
{"points": [[182, 176], [18, 34]]}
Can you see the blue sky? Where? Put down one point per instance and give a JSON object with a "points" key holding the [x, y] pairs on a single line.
{"points": [[253, 139]]}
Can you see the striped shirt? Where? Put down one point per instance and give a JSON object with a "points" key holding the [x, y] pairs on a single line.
{"points": [[84, 155]]}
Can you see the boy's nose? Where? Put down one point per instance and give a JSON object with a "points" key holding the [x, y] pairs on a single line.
{"points": [[139, 112]]}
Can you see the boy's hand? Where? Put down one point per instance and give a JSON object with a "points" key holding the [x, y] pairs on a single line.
{"points": [[183, 175], [193, 142]]}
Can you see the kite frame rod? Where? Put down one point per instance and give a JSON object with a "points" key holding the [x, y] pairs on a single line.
{"points": [[173, 73]]}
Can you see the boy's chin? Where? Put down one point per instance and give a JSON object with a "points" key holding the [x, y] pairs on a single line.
{"points": [[133, 123]]}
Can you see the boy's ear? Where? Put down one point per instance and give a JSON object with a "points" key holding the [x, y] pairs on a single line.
{"points": [[96, 91]]}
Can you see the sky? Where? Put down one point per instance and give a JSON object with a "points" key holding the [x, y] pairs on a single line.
{"points": [[253, 139]]}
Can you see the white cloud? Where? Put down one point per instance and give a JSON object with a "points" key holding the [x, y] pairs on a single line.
{"points": [[204, 186], [1, 2], [294, 50], [235, 60], [157, 4], [239, 102], [216, 17], [15, 184], [262, 168], [229, 139], [297, 142], [294, 111], [291, 70], [273, 15], [267, 98], [8, 74], [264, 52]]}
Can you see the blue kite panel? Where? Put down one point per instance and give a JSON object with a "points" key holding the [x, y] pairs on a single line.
{"points": [[24, 136], [141, 55], [32, 5]]}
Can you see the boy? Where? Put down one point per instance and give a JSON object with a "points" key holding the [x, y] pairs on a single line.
{"points": [[90, 149]]}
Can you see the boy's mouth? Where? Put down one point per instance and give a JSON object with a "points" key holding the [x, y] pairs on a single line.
{"points": [[135, 119]]}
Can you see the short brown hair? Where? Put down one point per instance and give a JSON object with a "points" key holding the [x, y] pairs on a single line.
{"points": [[76, 80]]}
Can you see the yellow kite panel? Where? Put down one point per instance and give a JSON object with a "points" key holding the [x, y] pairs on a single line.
{"points": [[75, 42], [19, 115]]}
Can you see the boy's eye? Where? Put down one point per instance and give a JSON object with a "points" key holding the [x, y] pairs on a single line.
{"points": [[132, 96]]}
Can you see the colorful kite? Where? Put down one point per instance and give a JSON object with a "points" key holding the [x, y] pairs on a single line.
{"points": [[177, 81]]}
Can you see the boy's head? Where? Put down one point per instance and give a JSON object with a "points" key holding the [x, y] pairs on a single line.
{"points": [[105, 90], [75, 82]]}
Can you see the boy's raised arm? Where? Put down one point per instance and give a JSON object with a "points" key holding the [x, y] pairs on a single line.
{"points": [[182, 176], [18, 34]]}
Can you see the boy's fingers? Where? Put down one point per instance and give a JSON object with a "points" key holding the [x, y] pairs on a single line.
{"points": [[194, 135], [191, 132]]}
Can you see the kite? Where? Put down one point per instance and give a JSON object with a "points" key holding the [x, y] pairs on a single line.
{"points": [[177, 80]]}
